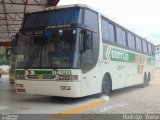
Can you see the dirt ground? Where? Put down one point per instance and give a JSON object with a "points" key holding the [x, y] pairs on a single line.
{"points": [[133, 100]]}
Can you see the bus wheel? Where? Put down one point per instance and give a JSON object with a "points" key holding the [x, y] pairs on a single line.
{"points": [[149, 78], [145, 81], [106, 85]]}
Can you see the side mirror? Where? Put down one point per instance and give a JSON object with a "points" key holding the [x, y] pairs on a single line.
{"points": [[15, 41], [39, 40], [14, 50]]}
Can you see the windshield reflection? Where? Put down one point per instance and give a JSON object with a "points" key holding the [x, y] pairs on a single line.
{"points": [[52, 49]]}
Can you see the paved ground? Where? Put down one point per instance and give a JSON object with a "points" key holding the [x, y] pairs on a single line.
{"points": [[11, 102], [133, 100]]}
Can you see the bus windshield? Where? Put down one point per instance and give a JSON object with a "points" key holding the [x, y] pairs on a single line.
{"points": [[54, 49], [52, 17]]}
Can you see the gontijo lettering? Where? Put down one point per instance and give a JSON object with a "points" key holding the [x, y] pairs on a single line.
{"points": [[120, 55]]}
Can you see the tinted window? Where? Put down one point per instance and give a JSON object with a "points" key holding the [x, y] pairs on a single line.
{"points": [[130, 41], [111, 33], [144, 44], [92, 42], [53, 17], [149, 49], [153, 50], [87, 45], [119, 35], [138, 44], [91, 19], [124, 42], [105, 30]]}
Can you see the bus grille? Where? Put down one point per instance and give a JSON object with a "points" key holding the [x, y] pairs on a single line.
{"points": [[41, 77], [32, 76], [48, 76]]}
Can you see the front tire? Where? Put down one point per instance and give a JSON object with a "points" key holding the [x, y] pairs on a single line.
{"points": [[106, 88], [145, 81], [149, 78]]}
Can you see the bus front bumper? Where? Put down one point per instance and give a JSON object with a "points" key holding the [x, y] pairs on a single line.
{"points": [[49, 88]]}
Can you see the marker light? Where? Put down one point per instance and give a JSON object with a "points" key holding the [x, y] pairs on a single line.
{"points": [[74, 77]]}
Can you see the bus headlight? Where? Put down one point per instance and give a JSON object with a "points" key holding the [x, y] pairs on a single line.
{"points": [[19, 76], [19, 85], [64, 77], [65, 87]]}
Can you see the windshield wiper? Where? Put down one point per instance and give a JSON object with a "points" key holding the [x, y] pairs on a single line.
{"points": [[32, 58], [30, 61], [54, 66]]}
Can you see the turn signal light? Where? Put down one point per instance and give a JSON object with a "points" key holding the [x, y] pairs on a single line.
{"points": [[64, 77], [19, 85], [74, 77]]}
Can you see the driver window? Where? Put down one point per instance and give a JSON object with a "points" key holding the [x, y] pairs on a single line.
{"points": [[87, 44]]}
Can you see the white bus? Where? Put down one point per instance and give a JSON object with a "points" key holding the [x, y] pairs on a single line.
{"points": [[75, 51]]}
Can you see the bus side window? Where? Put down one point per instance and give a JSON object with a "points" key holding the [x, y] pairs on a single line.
{"points": [[138, 44], [153, 50], [124, 38], [130, 41], [144, 45], [119, 36], [105, 30], [149, 49], [111, 33]]}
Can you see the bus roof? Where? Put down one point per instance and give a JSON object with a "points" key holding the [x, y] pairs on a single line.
{"points": [[89, 7], [65, 6]]}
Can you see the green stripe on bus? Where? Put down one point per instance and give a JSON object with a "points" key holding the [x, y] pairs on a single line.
{"points": [[20, 72], [42, 72], [116, 54], [122, 55]]}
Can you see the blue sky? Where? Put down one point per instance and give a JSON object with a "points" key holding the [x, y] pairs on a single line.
{"points": [[139, 16]]}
